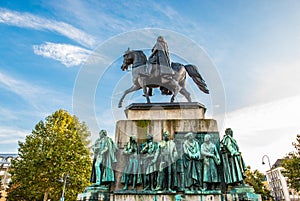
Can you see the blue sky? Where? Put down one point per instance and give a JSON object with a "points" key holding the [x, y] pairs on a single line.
{"points": [[254, 46]]}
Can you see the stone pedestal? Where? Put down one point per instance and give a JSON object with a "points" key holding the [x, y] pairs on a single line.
{"points": [[140, 128], [163, 111], [242, 193], [141, 196], [155, 118], [94, 193]]}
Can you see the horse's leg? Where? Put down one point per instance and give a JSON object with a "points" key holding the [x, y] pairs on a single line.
{"points": [[180, 77], [173, 97], [131, 89], [186, 94], [150, 91], [142, 82], [175, 88], [146, 94]]}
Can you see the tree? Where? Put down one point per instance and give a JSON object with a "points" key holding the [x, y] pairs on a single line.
{"points": [[57, 145], [255, 179], [291, 165]]}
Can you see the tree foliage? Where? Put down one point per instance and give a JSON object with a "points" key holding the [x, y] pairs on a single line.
{"points": [[57, 145], [291, 165], [255, 179]]}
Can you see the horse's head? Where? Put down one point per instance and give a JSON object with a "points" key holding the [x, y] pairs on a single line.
{"points": [[134, 57], [127, 59]]}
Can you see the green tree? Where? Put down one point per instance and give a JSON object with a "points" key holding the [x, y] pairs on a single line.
{"points": [[255, 179], [291, 165], [57, 145]]}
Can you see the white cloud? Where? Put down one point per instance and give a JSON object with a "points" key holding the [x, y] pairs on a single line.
{"points": [[276, 81], [12, 135], [69, 55], [17, 86], [108, 22], [36, 101], [7, 115], [95, 16], [35, 95], [266, 129], [35, 22]]}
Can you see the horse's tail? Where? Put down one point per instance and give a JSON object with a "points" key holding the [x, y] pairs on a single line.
{"points": [[197, 78]]}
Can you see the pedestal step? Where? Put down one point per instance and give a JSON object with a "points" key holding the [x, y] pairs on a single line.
{"points": [[165, 111]]}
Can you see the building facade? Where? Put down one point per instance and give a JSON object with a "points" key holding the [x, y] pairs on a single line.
{"points": [[5, 163], [278, 184]]}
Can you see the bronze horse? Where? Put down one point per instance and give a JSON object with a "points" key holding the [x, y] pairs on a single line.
{"points": [[169, 83]]}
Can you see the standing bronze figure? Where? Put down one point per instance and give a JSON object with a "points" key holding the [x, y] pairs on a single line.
{"points": [[192, 163], [211, 160], [130, 173], [149, 151], [104, 157], [166, 156], [233, 163]]}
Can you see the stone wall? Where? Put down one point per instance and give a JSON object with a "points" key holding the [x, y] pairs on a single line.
{"points": [[140, 128]]}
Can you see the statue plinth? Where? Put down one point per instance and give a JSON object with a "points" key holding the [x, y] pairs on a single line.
{"points": [[179, 119], [92, 193], [244, 192], [167, 197], [163, 111], [154, 118]]}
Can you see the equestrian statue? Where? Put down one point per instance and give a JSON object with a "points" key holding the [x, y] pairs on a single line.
{"points": [[159, 72]]}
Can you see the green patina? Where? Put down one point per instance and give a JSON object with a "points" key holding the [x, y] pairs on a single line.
{"points": [[142, 126], [142, 123]]}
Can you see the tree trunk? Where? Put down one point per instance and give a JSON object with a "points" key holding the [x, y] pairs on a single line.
{"points": [[46, 195]]}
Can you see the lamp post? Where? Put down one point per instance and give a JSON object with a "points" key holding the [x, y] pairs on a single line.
{"points": [[272, 176], [63, 180]]}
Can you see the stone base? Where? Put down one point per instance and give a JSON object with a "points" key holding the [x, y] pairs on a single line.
{"points": [[155, 118], [165, 197], [139, 128], [243, 193], [203, 192], [161, 111], [94, 193]]}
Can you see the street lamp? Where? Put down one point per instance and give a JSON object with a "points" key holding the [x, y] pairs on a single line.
{"points": [[63, 180], [272, 176]]}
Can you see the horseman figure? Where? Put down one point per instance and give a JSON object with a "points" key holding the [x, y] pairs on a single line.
{"points": [[160, 63], [160, 72]]}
